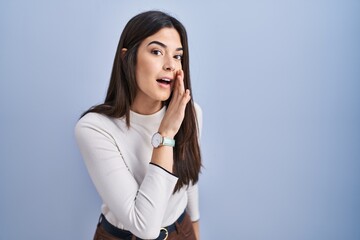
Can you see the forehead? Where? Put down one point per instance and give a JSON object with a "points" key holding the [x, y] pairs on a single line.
{"points": [[169, 36]]}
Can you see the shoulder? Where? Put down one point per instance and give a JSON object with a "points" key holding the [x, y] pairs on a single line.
{"points": [[199, 116], [91, 119], [95, 122], [198, 110]]}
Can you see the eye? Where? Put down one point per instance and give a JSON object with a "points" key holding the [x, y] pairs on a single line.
{"points": [[178, 57], [156, 52]]}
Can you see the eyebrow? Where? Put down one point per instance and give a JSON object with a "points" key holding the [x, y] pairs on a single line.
{"points": [[163, 45]]}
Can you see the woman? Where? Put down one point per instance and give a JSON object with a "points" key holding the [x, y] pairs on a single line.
{"points": [[141, 145]]}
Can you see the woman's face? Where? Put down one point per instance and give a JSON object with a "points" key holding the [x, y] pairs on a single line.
{"points": [[158, 60]]}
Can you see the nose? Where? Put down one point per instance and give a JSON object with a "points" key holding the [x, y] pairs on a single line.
{"points": [[169, 65]]}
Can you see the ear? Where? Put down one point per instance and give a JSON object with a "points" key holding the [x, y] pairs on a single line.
{"points": [[123, 51]]}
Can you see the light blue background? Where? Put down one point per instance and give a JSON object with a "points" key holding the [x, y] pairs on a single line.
{"points": [[279, 85]]}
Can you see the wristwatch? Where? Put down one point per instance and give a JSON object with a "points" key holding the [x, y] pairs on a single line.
{"points": [[157, 140]]}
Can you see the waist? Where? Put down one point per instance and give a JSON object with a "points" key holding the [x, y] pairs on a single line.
{"points": [[124, 234]]}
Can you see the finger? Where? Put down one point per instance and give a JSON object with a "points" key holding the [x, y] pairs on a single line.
{"points": [[178, 85], [180, 82], [185, 98]]}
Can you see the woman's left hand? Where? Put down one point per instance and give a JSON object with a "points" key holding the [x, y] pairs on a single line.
{"points": [[175, 112]]}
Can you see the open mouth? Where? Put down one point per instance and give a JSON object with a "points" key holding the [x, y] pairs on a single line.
{"points": [[165, 81]]}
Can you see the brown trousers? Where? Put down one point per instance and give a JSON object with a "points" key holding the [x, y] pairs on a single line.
{"points": [[184, 231]]}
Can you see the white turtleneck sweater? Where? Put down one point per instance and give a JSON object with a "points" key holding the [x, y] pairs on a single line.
{"points": [[137, 196]]}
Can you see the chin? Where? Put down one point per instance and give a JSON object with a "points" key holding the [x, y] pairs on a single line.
{"points": [[164, 97]]}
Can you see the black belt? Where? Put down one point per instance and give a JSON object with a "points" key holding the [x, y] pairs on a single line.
{"points": [[123, 234]]}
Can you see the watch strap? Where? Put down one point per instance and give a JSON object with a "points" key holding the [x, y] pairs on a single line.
{"points": [[168, 142]]}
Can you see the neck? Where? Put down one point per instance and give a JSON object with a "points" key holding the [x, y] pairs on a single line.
{"points": [[146, 108]]}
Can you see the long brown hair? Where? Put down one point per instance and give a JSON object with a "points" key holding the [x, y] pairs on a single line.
{"points": [[122, 90]]}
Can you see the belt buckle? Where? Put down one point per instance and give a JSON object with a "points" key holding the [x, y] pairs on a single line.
{"points": [[166, 232]]}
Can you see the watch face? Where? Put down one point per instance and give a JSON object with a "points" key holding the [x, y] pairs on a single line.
{"points": [[156, 140]]}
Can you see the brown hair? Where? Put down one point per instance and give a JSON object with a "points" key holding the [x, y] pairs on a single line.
{"points": [[122, 90]]}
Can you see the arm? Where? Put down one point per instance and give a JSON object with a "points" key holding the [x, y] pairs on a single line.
{"points": [[170, 125], [140, 208], [192, 208], [196, 230], [193, 191]]}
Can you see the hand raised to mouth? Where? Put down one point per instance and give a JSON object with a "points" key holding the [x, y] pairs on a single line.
{"points": [[175, 112]]}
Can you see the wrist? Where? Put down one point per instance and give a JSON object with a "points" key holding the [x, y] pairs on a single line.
{"points": [[158, 140]]}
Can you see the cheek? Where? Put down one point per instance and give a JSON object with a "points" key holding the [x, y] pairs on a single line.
{"points": [[179, 65], [142, 70], [144, 74], [148, 67]]}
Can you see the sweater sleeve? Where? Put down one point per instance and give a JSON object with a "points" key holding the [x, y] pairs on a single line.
{"points": [[139, 208], [192, 207]]}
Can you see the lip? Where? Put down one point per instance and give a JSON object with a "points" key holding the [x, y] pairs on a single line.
{"points": [[164, 85]]}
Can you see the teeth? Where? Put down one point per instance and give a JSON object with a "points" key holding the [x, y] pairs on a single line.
{"points": [[166, 79]]}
